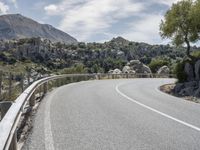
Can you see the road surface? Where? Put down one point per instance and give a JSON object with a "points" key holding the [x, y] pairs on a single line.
{"points": [[125, 114]]}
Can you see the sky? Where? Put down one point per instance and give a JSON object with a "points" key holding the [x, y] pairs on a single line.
{"points": [[96, 20]]}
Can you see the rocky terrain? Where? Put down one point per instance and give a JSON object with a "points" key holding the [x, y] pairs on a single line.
{"points": [[94, 57], [191, 86], [16, 26]]}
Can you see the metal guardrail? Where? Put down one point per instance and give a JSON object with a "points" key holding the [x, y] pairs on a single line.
{"points": [[11, 112]]}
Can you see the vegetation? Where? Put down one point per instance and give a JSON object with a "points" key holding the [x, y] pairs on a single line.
{"points": [[179, 71], [157, 63], [181, 23], [76, 69], [95, 57]]}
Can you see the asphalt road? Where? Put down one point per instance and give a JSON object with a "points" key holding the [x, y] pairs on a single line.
{"points": [[115, 115]]}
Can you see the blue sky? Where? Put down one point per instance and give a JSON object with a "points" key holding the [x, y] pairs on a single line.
{"points": [[97, 20]]}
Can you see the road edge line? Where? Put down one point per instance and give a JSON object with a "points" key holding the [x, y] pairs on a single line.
{"points": [[156, 111]]}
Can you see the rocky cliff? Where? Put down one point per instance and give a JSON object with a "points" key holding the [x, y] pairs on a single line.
{"points": [[16, 26]]}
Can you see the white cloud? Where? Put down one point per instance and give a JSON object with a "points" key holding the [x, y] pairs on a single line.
{"points": [[145, 30], [3, 8], [166, 2], [51, 9], [85, 18]]}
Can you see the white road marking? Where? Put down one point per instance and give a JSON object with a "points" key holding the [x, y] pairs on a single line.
{"points": [[49, 143], [156, 111]]}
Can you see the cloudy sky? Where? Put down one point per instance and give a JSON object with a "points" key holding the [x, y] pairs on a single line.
{"points": [[96, 20]]}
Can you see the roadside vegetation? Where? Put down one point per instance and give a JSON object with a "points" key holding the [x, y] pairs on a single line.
{"points": [[181, 24]]}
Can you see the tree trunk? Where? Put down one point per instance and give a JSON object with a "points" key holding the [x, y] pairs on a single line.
{"points": [[188, 47]]}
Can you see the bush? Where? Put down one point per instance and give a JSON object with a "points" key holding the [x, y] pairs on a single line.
{"points": [[155, 64], [180, 73], [196, 54], [77, 68]]}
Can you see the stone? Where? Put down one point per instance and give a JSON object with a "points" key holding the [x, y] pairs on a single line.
{"points": [[117, 71], [178, 87], [126, 69], [197, 92], [190, 84], [139, 67], [146, 69], [164, 70], [187, 91], [189, 72], [135, 62], [110, 71], [197, 70]]}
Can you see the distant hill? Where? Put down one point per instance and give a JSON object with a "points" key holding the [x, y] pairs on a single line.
{"points": [[16, 26]]}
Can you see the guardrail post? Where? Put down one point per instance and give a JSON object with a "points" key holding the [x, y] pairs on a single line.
{"points": [[4, 106], [45, 87], [86, 77], [32, 100], [10, 87], [99, 76], [13, 145], [71, 79], [1, 79], [112, 76], [22, 82]]}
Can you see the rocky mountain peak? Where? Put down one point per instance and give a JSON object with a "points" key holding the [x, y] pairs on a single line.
{"points": [[16, 26]]}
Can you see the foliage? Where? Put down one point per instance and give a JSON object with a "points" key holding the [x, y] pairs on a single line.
{"points": [[7, 58], [157, 63], [180, 73], [179, 24], [96, 57], [77, 68], [196, 54]]}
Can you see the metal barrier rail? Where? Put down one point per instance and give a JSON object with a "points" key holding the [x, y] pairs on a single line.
{"points": [[11, 112]]}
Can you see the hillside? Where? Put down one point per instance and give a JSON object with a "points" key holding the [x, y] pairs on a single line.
{"points": [[94, 57], [16, 26]]}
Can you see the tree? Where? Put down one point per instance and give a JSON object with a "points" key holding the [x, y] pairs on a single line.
{"points": [[179, 24], [196, 16]]}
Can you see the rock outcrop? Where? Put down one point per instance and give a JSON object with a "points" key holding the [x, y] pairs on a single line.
{"points": [[126, 69], [197, 70], [192, 86], [139, 67], [164, 70], [117, 71], [189, 71]]}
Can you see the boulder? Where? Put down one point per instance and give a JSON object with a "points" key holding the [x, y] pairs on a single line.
{"points": [[126, 69], [132, 72], [146, 69], [134, 62], [197, 92], [139, 67], [164, 70], [189, 91], [110, 71], [178, 87], [189, 72], [117, 71], [190, 84], [197, 70]]}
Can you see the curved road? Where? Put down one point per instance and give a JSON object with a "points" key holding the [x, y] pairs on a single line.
{"points": [[115, 115]]}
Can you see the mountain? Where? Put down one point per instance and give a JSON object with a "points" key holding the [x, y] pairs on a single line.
{"points": [[16, 26]]}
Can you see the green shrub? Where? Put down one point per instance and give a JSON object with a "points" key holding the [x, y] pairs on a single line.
{"points": [[155, 64], [196, 54], [77, 68], [180, 73]]}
